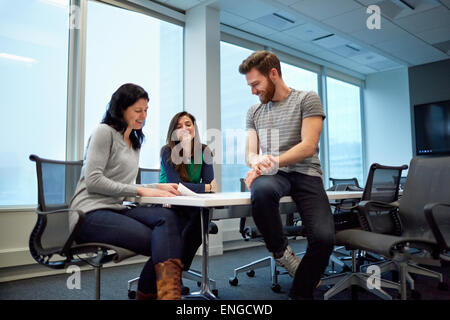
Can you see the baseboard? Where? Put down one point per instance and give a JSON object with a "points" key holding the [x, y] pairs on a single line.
{"points": [[37, 270]]}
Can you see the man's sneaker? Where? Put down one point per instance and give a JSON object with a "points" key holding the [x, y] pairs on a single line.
{"points": [[289, 261]]}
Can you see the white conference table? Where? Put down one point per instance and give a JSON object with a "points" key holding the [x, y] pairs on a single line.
{"points": [[227, 205]]}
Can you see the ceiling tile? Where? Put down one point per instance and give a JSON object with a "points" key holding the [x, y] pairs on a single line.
{"points": [[407, 42], [307, 32], [384, 65], [350, 21], [347, 63], [445, 3], [328, 55], [256, 28], [305, 46], [280, 20], [431, 19], [368, 57], [369, 2], [420, 54], [287, 2], [331, 42], [282, 38], [435, 35], [348, 50], [388, 31], [231, 19], [249, 9], [443, 46], [324, 9], [183, 4]]}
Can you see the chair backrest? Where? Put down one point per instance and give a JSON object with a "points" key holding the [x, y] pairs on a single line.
{"points": [[343, 184], [148, 176], [428, 181], [382, 185], [56, 181]]}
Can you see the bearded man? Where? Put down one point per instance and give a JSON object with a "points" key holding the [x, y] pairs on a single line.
{"points": [[286, 127]]}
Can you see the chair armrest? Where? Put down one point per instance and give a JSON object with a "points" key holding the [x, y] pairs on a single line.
{"points": [[433, 223], [35, 238], [368, 223], [80, 213]]}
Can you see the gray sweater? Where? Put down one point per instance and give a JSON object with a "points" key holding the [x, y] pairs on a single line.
{"points": [[108, 174]]}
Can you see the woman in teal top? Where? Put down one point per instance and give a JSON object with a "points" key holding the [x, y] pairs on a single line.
{"points": [[184, 159]]}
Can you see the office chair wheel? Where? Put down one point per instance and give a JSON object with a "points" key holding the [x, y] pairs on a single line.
{"points": [[276, 288], [251, 273], [131, 294], [215, 292], [443, 286], [233, 281]]}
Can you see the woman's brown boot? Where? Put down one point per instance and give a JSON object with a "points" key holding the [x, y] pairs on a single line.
{"points": [[168, 279], [145, 296]]}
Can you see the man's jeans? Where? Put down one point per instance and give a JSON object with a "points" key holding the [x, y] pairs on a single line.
{"points": [[312, 203]]}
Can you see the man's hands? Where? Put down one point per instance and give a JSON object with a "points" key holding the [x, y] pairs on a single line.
{"points": [[264, 165], [261, 165], [250, 177], [162, 190]]}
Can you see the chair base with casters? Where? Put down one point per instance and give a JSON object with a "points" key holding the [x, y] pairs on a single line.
{"points": [[261, 263], [348, 280], [410, 268]]}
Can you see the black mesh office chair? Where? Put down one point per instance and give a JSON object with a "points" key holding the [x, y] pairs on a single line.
{"points": [[391, 228], [380, 186], [149, 176], [292, 229], [51, 243], [438, 218]]}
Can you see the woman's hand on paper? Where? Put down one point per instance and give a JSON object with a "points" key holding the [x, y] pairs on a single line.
{"points": [[170, 187], [158, 192]]}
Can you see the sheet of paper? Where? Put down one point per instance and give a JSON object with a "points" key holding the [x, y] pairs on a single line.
{"points": [[185, 191]]}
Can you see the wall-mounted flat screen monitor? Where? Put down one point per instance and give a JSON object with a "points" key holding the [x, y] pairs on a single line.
{"points": [[432, 128]]}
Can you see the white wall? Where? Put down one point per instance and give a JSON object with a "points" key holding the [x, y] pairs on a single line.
{"points": [[387, 118]]}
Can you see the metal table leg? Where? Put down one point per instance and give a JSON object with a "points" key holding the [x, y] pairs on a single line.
{"points": [[205, 292]]}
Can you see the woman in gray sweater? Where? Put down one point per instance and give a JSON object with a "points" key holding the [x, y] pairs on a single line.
{"points": [[107, 177]]}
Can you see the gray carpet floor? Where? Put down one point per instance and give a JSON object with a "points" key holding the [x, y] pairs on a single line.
{"points": [[114, 282]]}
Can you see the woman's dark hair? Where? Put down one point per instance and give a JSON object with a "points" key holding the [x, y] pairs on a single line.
{"points": [[124, 97], [172, 141]]}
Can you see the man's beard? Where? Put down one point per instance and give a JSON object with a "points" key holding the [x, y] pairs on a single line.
{"points": [[269, 92]]}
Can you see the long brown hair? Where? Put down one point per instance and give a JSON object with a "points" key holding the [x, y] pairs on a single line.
{"points": [[172, 142]]}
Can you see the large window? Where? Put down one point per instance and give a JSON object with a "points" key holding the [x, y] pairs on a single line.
{"points": [[125, 46], [344, 130], [122, 46], [33, 91], [298, 78], [236, 99]]}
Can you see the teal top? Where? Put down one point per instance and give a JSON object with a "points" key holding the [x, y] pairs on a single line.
{"points": [[195, 174], [204, 173]]}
